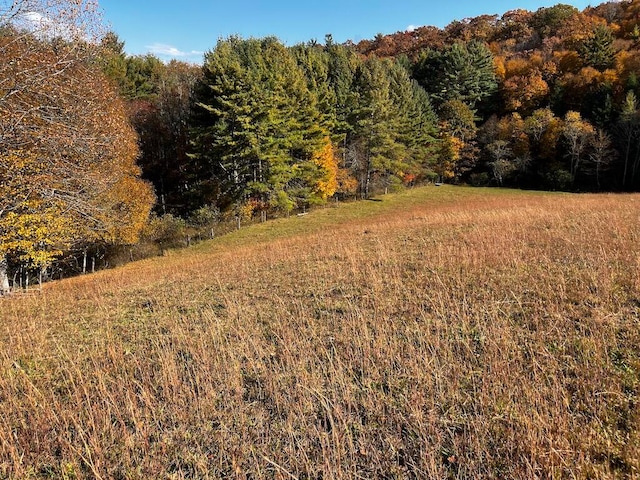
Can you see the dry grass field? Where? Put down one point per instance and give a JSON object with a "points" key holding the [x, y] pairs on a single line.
{"points": [[439, 333]]}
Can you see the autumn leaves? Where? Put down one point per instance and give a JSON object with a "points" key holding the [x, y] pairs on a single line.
{"points": [[68, 173]]}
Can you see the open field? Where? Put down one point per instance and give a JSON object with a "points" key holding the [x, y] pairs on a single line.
{"points": [[440, 333]]}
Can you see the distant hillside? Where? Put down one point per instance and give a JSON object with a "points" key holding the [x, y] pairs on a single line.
{"points": [[513, 31], [563, 113]]}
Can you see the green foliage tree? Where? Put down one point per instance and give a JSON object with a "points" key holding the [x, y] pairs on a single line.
{"points": [[257, 126], [462, 71], [392, 127], [372, 121], [342, 63], [549, 20], [597, 50], [113, 59], [142, 77], [421, 133]]}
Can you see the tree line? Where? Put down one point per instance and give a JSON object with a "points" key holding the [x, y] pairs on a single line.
{"points": [[544, 99], [561, 110], [267, 128], [94, 139]]}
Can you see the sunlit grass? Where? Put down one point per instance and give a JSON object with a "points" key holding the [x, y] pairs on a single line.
{"points": [[438, 333]]}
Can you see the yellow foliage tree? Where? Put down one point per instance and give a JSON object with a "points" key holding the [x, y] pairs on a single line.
{"points": [[68, 173], [448, 157], [577, 133], [325, 158]]}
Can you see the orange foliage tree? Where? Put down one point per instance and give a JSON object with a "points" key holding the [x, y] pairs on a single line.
{"points": [[524, 93], [67, 166]]}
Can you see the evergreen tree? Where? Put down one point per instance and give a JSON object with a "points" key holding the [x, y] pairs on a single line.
{"points": [[597, 50], [459, 72], [549, 20], [142, 76], [374, 121], [113, 60], [422, 132], [342, 63], [416, 127], [257, 127]]}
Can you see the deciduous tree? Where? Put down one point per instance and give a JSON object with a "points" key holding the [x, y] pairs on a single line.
{"points": [[578, 134], [68, 161], [601, 156]]}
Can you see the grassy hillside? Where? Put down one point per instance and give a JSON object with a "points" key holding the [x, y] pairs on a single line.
{"points": [[440, 333]]}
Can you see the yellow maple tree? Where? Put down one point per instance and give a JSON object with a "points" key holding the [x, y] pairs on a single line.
{"points": [[68, 172]]}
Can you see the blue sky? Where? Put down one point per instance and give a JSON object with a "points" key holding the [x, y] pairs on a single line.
{"points": [[185, 29]]}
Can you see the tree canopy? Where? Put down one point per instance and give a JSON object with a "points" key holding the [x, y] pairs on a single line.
{"points": [[265, 115], [68, 170]]}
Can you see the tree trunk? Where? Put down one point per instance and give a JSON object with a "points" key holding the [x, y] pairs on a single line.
{"points": [[4, 277], [626, 161]]}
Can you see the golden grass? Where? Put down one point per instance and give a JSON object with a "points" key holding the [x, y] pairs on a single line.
{"points": [[442, 333]]}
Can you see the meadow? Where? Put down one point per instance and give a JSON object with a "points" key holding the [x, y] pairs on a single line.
{"points": [[442, 332]]}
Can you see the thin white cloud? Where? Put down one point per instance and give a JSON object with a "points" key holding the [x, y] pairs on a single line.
{"points": [[45, 26], [411, 28], [35, 20], [164, 50]]}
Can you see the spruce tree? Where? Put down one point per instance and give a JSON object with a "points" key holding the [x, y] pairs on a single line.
{"points": [[597, 50]]}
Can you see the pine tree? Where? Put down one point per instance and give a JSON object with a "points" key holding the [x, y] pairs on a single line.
{"points": [[374, 121], [257, 126], [422, 133], [416, 127], [597, 50], [462, 71]]}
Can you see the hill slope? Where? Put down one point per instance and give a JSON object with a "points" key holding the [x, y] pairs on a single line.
{"points": [[445, 332]]}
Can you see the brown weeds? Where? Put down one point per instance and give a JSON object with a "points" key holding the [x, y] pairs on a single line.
{"points": [[492, 336]]}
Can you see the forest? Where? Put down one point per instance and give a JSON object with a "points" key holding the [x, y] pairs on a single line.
{"points": [[101, 149]]}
